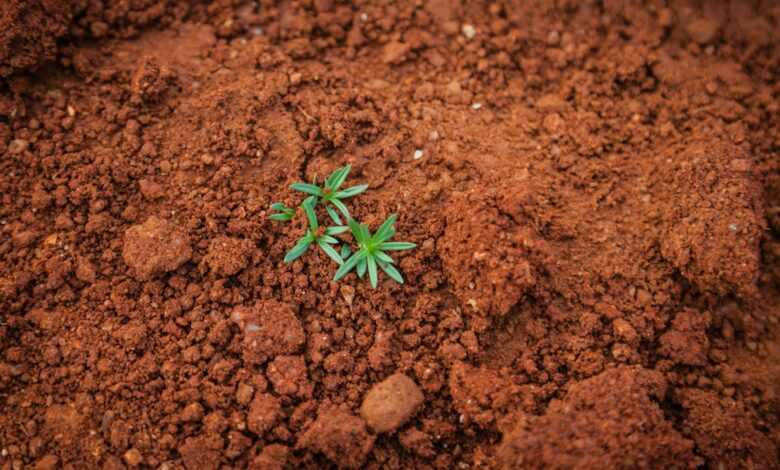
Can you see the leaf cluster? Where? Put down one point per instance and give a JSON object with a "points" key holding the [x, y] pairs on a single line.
{"points": [[371, 251]]}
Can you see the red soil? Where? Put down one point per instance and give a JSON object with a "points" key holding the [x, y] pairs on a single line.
{"points": [[596, 209]]}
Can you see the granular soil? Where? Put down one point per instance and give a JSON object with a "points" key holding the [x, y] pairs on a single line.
{"points": [[593, 186]]}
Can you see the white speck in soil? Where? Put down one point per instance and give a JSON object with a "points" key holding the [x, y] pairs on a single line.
{"points": [[469, 31], [257, 31], [733, 227], [418, 154], [476, 105], [363, 17]]}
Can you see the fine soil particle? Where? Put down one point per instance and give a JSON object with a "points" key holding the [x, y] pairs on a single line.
{"points": [[390, 403], [593, 188]]}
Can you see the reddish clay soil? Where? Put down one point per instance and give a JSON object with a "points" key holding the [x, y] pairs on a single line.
{"points": [[596, 208]]}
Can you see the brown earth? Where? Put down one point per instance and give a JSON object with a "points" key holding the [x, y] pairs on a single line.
{"points": [[596, 209]]}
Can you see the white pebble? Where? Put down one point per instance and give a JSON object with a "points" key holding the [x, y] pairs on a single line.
{"points": [[363, 17], [418, 154], [476, 105], [733, 227], [469, 31]]}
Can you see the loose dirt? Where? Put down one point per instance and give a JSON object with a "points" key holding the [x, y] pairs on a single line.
{"points": [[593, 186]]}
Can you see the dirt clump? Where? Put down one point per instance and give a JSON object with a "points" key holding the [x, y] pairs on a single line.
{"points": [[340, 436], [155, 247], [593, 425], [270, 328]]}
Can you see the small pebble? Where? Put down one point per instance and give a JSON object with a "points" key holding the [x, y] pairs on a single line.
{"points": [[476, 105], [469, 31], [418, 154], [363, 17]]}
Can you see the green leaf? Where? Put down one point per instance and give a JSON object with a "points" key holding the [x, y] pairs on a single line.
{"points": [[349, 264], [372, 273], [278, 206], [383, 258], [351, 192], [361, 268], [392, 272], [345, 251], [308, 208], [340, 206], [328, 239], [337, 178], [307, 188], [395, 246], [330, 252], [333, 215], [299, 249], [357, 231], [387, 229], [336, 230], [281, 217]]}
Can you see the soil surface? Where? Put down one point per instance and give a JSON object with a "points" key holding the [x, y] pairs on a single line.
{"points": [[593, 186]]}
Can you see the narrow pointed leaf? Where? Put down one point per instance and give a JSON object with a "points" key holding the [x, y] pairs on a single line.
{"points": [[339, 176], [383, 258], [348, 265], [357, 232], [308, 208], [333, 215], [351, 192], [361, 268], [336, 230], [372, 273], [278, 206], [386, 230], [296, 251], [340, 206], [328, 239], [392, 272], [345, 251], [332, 254], [307, 188], [391, 246], [281, 217]]}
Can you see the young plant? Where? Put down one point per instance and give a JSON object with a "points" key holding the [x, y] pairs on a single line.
{"points": [[323, 237], [371, 252], [283, 214], [330, 194]]}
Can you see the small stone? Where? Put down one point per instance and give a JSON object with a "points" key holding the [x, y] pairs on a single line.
{"points": [[395, 52], [391, 402], [244, 393], [17, 146], [133, 457], [476, 106], [418, 154], [192, 413], [550, 103]]}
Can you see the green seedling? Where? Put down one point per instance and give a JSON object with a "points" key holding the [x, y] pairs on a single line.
{"points": [[371, 252], [323, 237], [330, 194], [283, 214]]}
